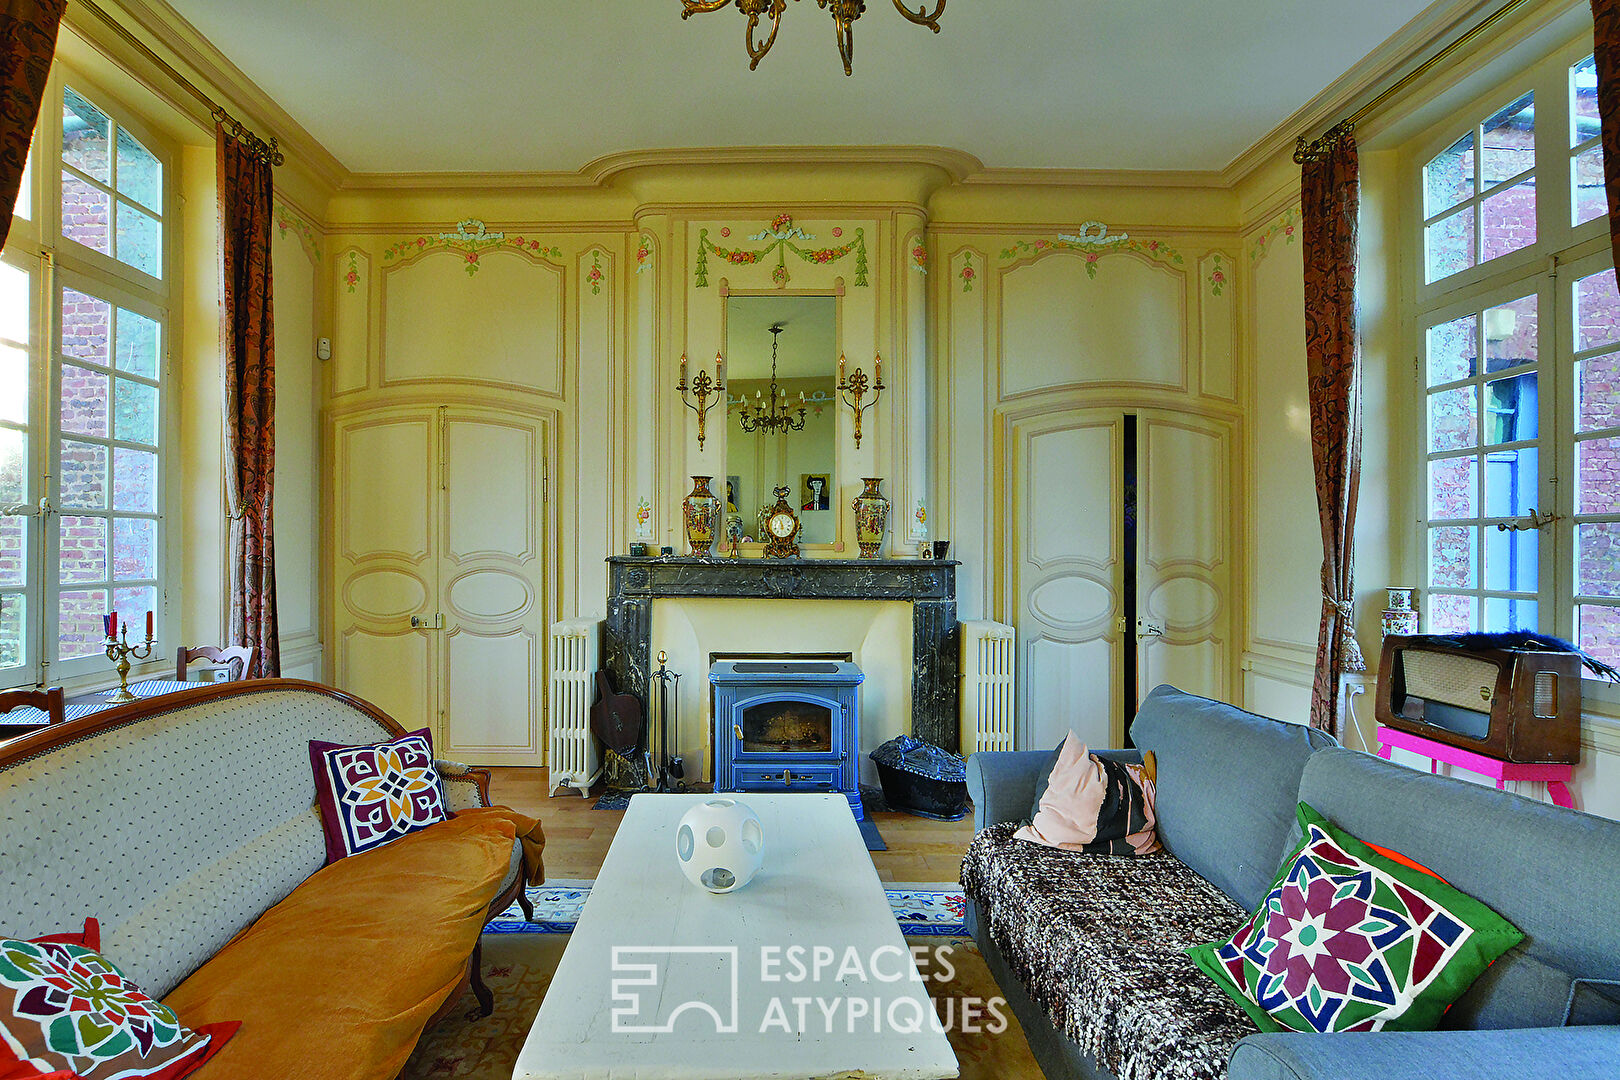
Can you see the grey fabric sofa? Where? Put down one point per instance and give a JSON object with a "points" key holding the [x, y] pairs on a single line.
{"points": [[1228, 784]]}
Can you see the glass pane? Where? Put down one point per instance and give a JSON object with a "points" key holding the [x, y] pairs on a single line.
{"points": [[1454, 419], [1583, 84], [1599, 393], [137, 412], [1598, 467], [1597, 311], [13, 617], [1452, 614], [83, 554], [79, 623], [25, 193], [1502, 614], [14, 304], [1509, 220], [1453, 350], [1510, 142], [1597, 560], [140, 240], [134, 548], [1451, 244], [1510, 335], [13, 385], [132, 604], [13, 466], [1600, 632], [13, 568], [86, 214], [1511, 409], [85, 131], [140, 173], [1453, 563], [1511, 477], [86, 327], [84, 401], [1511, 559], [135, 483], [1449, 178], [1454, 488], [1589, 199], [82, 472], [137, 344]]}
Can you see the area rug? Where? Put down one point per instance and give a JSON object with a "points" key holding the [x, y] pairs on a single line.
{"points": [[518, 969], [921, 910]]}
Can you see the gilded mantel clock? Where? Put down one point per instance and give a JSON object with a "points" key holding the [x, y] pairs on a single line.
{"points": [[781, 528]]}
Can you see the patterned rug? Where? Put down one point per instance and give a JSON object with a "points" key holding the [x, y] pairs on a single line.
{"points": [[518, 969], [921, 910]]}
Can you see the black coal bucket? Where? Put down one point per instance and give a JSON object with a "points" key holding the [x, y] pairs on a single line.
{"points": [[922, 779]]}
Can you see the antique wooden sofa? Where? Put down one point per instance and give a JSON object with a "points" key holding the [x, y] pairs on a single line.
{"points": [[187, 826]]}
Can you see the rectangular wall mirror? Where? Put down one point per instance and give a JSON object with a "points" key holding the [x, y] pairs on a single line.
{"points": [[792, 443]]}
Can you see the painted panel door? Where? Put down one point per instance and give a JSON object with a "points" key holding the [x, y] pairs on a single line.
{"points": [[493, 568], [385, 568], [1065, 528], [1184, 624]]}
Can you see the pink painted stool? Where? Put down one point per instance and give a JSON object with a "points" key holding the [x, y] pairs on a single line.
{"points": [[1555, 776]]}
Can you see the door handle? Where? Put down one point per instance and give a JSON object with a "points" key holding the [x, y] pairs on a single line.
{"points": [[418, 622], [1145, 630], [737, 730]]}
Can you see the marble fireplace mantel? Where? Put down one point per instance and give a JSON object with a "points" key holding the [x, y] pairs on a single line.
{"points": [[634, 584]]}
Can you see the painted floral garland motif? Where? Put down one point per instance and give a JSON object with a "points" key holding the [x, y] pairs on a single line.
{"points": [[1286, 226], [594, 276], [967, 274], [1093, 241], [351, 276], [1217, 276], [919, 257], [644, 253], [783, 236], [286, 219], [470, 238]]}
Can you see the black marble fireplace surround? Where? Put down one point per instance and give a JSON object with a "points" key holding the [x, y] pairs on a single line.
{"points": [[928, 585]]}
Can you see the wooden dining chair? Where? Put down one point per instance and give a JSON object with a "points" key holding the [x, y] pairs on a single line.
{"points": [[239, 658], [48, 701]]}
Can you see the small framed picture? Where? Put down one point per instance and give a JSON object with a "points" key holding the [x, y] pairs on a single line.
{"points": [[814, 491], [733, 490]]}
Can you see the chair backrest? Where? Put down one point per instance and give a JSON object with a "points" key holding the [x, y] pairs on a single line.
{"points": [[238, 658], [48, 701]]}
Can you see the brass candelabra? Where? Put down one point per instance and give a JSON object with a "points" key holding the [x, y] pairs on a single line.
{"points": [[703, 388], [854, 387], [120, 650]]}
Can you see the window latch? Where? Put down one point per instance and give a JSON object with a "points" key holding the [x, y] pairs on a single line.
{"points": [[23, 509], [1536, 521]]}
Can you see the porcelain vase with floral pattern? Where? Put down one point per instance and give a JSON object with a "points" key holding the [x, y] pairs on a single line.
{"points": [[701, 512], [871, 517]]}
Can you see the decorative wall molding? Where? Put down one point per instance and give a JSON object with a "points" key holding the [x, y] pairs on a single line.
{"points": [[471, 238], [919, 257], [784, 237], [644, 253], [1285, 226], [1217, 275], [967, 273], [1093, 242], [288, 220]]}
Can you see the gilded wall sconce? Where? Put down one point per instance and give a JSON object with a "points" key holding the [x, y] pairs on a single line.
{"points": [[703, 388], [855, 387]]}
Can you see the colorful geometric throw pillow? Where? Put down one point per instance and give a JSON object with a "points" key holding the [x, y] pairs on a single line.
{"points": [[1094, 805], [375, 793], [66, 1011], [1352, 940]]}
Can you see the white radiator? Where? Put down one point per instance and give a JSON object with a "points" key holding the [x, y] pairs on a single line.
{"points": [[576, 655], [987, 686]]}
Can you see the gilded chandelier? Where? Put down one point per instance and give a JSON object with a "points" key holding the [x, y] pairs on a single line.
{"points": [[844, 13], [772, 417]]}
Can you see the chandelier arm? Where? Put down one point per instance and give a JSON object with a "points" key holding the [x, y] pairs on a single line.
{"points": [[701, 7], [844, 30], [923, 16], [756, 54]]}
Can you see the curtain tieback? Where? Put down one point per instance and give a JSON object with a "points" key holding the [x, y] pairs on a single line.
{"points": [[1344, 612]]}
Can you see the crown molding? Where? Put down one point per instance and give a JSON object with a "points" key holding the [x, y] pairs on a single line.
{"points": [[1130, 178], [172, 33]]}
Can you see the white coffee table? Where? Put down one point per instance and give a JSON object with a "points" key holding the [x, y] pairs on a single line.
{"points": [[664, 981]]}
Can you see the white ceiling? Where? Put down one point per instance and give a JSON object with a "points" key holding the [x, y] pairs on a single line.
{"points": [[515, 85]]}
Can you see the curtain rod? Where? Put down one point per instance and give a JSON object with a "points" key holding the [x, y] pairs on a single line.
{"points": [[269, 152], [1307, 150]]}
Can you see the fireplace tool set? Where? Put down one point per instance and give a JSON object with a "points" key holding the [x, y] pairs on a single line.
{"points": [[617, 721]]}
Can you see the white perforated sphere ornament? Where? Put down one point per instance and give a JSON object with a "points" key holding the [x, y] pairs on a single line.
{"points": [[720, 844]]}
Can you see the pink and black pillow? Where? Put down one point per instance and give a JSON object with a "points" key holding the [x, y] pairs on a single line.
{"points": [[372, 794]]}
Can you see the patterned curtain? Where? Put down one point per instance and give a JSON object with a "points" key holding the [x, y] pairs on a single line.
{"points": [[1331, 201], [247, 345], [1606, 48], [27, 42]]}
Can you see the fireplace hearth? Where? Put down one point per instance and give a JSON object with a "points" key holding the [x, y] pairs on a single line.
{"points": [[787, 725]]}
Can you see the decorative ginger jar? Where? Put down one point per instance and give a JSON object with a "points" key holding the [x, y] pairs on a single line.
{"points": [[701, 512], [720, 845], [1401, 617], [871, 517]]}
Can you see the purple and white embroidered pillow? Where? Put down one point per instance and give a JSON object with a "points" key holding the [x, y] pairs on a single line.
{"points": [[372, 794]]}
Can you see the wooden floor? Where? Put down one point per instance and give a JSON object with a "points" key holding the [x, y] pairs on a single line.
{"points": [[577, 837]]}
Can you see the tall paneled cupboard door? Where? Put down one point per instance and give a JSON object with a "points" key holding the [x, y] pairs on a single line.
{"points": [[1121, 570], [440, 578]]}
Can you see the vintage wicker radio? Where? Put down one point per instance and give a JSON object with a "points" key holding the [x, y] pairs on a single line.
{"points": [[1520, 705]]}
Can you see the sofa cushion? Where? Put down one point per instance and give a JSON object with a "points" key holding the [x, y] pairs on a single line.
{"points": [[1227, 785], [1094, 805], [1553, 873], [375, 793], [1097, 941], [357, 960]]}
